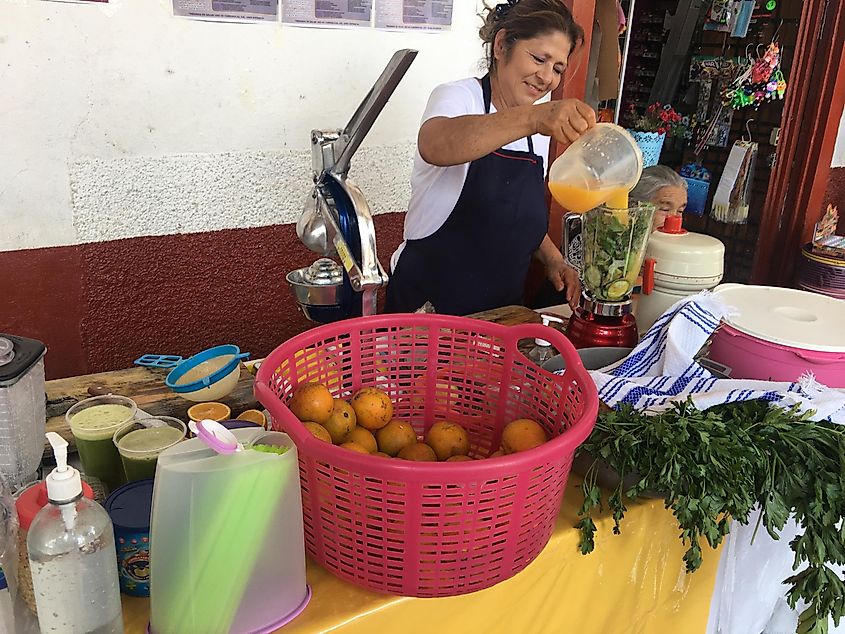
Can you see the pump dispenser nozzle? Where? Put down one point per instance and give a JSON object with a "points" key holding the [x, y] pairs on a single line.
{"points": [[547, 321], [63, 483]]}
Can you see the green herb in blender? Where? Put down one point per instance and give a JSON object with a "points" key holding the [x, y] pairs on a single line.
{"points": [[614, 248]]}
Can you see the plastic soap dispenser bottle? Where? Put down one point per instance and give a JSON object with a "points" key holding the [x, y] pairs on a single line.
{"points": [[72, 556], [542, 350]]}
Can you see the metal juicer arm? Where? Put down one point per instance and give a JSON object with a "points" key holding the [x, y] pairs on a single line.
{"points": [[370, 108]]}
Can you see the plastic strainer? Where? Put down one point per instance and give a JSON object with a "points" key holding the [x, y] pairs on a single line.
{"points": [[208, 375]]}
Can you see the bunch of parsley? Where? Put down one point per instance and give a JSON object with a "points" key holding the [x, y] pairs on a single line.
{"points": [[717, 465]]}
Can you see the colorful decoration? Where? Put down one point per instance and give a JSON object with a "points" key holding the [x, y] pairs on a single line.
{"points": [[760, 81]]}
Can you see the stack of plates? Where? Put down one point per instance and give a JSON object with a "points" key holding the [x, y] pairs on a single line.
{"points": [[823, 274]]}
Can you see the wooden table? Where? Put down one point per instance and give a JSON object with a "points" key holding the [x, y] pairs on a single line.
{"points": [[633, 581], [146, 385]]}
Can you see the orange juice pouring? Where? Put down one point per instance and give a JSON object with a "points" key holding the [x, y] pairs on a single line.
{"points": [[600, 168]]}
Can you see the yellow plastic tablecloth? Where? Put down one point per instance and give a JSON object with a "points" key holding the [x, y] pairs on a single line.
{"points": [[633, 583]]}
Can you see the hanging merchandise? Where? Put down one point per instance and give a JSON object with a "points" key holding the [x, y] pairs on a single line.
{"points": [[722, 16], [733, 194], [761, 80], [711, 123]]}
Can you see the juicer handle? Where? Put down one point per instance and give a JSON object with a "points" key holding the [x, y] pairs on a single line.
{"points": [[572, 243], [369, 109]]}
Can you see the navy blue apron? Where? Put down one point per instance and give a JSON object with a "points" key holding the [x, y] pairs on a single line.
{"points": [[479, 258]]}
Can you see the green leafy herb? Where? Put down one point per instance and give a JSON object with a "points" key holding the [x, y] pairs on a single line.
{"points": [[718, 464], [614, 248]]}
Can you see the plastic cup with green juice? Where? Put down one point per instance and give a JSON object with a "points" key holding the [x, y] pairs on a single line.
{"points": [[93, 423], [140, 442]]}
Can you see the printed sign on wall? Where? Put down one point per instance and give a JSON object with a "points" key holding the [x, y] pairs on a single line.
{"points": [[423, 15], [327, 13], [228, 10]]}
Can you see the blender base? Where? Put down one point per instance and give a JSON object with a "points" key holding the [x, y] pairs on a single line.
{"points": [[588, 330]]}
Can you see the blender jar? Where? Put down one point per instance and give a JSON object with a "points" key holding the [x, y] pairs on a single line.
{"points": [[23, 408], [614, 245]]}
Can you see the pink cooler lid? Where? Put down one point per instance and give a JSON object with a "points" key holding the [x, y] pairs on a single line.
{"points": [[786, 316]]}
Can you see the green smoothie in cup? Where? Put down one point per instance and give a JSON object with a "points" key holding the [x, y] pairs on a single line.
{"points": [[140, 443], [93, 423]]}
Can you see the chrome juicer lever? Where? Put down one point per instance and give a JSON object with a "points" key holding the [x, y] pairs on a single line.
{"points": [[337, 218]]}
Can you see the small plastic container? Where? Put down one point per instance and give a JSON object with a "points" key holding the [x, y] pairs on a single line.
{"points": [[602, 166], [94, 422], [208, 375], [697, 191], [129, 509], [140, 442]]}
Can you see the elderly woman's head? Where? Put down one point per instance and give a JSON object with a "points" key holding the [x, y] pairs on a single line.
{"points": [[663, 187]]}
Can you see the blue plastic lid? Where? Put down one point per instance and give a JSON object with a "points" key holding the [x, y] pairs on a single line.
{"points": [[129, 506], [189, 364], [3, 583]]}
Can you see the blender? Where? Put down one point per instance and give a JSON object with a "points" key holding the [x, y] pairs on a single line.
{"points": [[605, 243], [613, 249]]}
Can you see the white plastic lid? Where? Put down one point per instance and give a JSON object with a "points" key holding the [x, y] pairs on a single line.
{"points": [[686, 254], [63, 483], [786, 316]]}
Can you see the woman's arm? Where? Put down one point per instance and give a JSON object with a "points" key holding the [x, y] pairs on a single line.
{"points": [[445, 141]]}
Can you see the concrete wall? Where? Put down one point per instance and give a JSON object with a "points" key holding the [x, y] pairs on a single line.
{"points": [[151, 167], [120, 120]]}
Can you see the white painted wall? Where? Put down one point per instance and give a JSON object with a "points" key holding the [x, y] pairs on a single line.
{"points": [[839, 148], [120, 120]]}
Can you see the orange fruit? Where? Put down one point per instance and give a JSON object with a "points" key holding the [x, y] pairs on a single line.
{"points": [[522, 434], [419, 452], [313, 402], [254, 416], [381, 454], [364, 438], [497, 453], [354, 446], [318, 431], [459, 458], [447, 439], [341, 421], [373, 408], [395, 436], [209, 411]]}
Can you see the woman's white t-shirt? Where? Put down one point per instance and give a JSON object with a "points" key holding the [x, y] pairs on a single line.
{"points": [[435, 190]]}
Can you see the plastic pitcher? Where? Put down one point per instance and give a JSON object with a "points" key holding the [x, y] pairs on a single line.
{"points": [[227, 552], [612, 248], [601, 167]]}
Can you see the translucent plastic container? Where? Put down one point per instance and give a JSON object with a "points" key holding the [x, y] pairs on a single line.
{"points": [[23, 413], [227, 547], [602, 166]]}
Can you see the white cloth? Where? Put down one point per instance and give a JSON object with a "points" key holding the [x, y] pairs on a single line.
{"points": [[435, 190], [661, 370], [749, 594]]}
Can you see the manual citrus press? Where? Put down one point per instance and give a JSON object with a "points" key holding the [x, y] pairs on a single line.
{"points": [[336, 220]]}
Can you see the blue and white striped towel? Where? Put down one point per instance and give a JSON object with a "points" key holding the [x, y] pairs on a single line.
{"points": [[662, 370]]}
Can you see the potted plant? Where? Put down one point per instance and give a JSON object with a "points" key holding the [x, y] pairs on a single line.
{"points": [[651, 128]]}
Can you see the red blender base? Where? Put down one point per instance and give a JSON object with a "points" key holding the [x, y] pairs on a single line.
{"points": [[588, 330]]}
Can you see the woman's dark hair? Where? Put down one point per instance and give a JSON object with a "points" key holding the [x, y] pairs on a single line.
{"points": [[525, 19]]}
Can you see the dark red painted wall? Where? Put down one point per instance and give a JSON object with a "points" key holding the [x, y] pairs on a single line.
{"points": [[99, 306]]}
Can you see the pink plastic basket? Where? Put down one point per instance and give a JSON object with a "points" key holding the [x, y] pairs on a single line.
{"points": [[432, 529]]}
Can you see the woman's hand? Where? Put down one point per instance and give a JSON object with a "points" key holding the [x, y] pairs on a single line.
{"points": [[564, 120], [559, 273]]}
